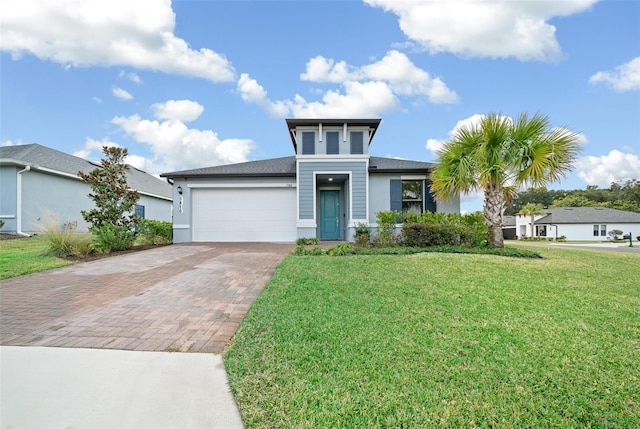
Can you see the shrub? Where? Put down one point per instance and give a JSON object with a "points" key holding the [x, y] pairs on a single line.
{"points": [[362, 235], [1, 224], [109, 238], [341, 249], [562, 238], [154, 231], [385, 231], [63, 242], [614, 233], [304, 241], [302, 250], [425, 235]]}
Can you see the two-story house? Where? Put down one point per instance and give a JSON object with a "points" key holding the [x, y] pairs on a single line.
{"points": [[325, 190]]}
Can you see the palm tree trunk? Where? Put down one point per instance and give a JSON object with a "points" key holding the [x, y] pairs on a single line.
{"points": [[493, 209]]}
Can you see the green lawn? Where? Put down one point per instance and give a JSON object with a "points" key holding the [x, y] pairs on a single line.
{"points": [[443, 340], [26, 255]]}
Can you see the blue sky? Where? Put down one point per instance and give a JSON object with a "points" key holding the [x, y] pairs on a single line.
{"points": [[189, 84]]}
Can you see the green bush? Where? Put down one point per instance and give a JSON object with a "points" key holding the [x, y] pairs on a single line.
{"points": [[426, 235], [65, 241], [110, 238], [341, 249], [304, 241], [154, 232], [385, 231], [302, 250], [362, 236]]}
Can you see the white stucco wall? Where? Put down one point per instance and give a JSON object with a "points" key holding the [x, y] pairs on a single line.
{"points": [[578, 231]]}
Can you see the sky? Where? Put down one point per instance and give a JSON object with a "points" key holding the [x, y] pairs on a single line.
{"points": [[187, 84]]}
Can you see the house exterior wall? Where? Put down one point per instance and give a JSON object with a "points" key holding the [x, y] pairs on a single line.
{"points": [[320, 145], [380, 190], [575, 231], [8, 197], [182, 204], [62, 196], [309, 168]]}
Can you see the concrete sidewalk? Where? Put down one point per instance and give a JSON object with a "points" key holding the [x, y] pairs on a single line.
{"points": [[44, 387]]}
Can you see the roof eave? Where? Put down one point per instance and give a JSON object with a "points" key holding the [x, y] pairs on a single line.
{"points": [[226, 175]]}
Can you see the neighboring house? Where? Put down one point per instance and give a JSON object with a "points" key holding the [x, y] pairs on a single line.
{"points": [[509, 227], [580, 223], [35, 179], [324, 191]]}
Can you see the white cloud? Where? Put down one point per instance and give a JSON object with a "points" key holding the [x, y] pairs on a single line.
{"points": [[86, 33], [484, 28], [121, 93], [175, 146], [395, 69], [434, 145], [179, 110], [11, 143], [366, 99], [92, 149], [366, 91], [623, 78], [130, 76], [605, 169], [97, 100]]}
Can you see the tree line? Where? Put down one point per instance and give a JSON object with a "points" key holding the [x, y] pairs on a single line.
{"points": [[620, 195]]}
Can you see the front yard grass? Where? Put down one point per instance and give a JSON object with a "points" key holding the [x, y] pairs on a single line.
{"points": [[443, 340], [26, 255]]}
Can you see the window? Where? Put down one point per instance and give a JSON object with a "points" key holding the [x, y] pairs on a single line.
{"points": [[139, 211], [357, 145], [541, 230], [601, 229], [333, 142], [308, 143], [412, 196]]}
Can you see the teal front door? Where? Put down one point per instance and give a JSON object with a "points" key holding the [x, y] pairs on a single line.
{"points": [[330, 215]]}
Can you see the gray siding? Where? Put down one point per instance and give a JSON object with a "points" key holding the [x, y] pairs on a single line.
{"points": [[62, 197], [306, 186]]}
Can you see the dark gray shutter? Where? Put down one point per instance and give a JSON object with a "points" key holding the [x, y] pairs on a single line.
{"points": [[396, 195], [429, 201]]}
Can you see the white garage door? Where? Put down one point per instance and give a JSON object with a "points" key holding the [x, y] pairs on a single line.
{"points": [[244, 214]]}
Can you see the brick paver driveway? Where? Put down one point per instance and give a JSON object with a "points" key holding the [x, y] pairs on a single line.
{"points": [[186, 297]]}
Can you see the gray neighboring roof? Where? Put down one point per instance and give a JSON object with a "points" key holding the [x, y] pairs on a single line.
{"points": [[38, 156], [568, 215], [286, 167]]}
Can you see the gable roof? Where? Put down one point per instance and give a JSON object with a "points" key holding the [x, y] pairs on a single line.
{"points": [[286, 167], [53, 161], [564, 215]]}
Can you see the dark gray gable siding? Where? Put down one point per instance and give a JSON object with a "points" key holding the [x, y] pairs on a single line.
{"points": [[358, 171]]}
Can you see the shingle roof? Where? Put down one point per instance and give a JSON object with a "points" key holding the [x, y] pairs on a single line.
{"points": [[389, 165], [36, 155], [274, 167], [564, 215], [286, 167]]}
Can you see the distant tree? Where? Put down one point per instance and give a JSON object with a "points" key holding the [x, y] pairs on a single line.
{"points": [[533, 195], [114, 200], [499, 156], [532, 210]]}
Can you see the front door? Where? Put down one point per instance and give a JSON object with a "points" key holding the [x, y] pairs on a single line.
{"points": [[330, 215]]}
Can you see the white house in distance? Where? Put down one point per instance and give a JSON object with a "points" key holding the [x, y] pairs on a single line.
{"points": [[579, 223], [324, 191], [36, 180]]}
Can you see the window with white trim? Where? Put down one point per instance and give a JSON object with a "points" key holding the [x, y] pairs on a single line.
{"points": [[308, 143], [333, 142], [412, 193], [357, 142]]}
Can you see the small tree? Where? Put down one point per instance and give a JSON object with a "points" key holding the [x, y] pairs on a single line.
{"points": [[614, 233], [114, 200]]}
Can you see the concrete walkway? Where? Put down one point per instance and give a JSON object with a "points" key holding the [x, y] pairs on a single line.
{"points": [[99, 337]]}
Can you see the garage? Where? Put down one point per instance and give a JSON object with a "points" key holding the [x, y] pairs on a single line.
{"points": [[244, 214]]}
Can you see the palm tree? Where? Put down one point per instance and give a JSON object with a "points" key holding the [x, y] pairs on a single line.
{"points": [[532, 210], [500, 155]]}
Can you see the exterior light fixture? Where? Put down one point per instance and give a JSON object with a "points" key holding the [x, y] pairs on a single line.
{"points": [[330, 179], [179, 189]]}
